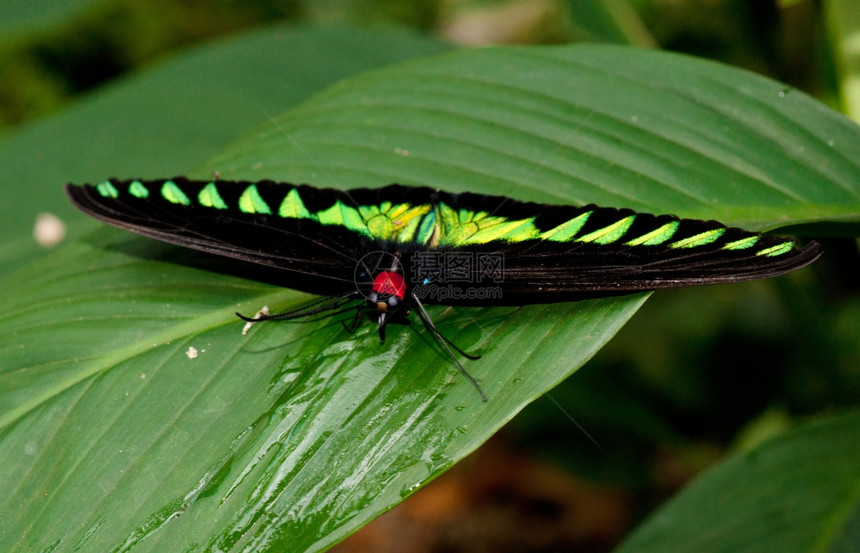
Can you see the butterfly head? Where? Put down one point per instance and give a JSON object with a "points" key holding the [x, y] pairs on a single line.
{"points": [[386, 297]]}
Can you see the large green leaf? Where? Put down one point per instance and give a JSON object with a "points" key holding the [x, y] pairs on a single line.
{"points": [[292, 437], [603, 124], [796, 493]]}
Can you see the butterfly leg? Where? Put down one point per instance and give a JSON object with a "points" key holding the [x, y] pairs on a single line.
{"points": [[359, 311], [425, 318]]}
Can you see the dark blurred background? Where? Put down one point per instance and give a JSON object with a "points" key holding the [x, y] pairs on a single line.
{"points": [[697, 374], [93, 41]]}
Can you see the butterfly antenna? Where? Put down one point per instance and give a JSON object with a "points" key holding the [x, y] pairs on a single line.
{"points": [[574, 421], [425, 318]]}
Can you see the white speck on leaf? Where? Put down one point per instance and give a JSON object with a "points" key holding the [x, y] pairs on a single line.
{"points": [[49, 230]]}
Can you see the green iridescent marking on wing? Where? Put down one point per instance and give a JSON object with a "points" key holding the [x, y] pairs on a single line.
{"points": [[699, 239], [405, 219], [294, 208], [459, 234], [465, 227], [377, 221], [210, 197], [427, 228], [610, 233], [138, 190], [465, 217], [779, 249], [446, 220], [174, 194], [380, 226], [251, 202], [742, 244], [388, 222], [655, 237], [340, 214], [566, 231], [499, 228], [107, 189]]}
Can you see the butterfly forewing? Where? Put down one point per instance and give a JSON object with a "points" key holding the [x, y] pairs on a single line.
{"points": [[527, 252], [315, 258]]}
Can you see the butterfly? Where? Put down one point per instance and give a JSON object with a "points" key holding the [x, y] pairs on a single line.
{"points": [[397, 248]]}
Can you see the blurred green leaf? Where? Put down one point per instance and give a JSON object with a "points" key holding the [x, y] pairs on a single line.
{"points": [[114, 438], [20, 16], [794, 493], [607, 21], [843, 25]]}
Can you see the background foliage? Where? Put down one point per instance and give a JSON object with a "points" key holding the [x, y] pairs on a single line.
{"points": [[697, 376]]}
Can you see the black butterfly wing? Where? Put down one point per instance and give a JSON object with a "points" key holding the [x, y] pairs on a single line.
{"points": [[525, 252], [548, 270], [315, 258], [568, 252]]}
